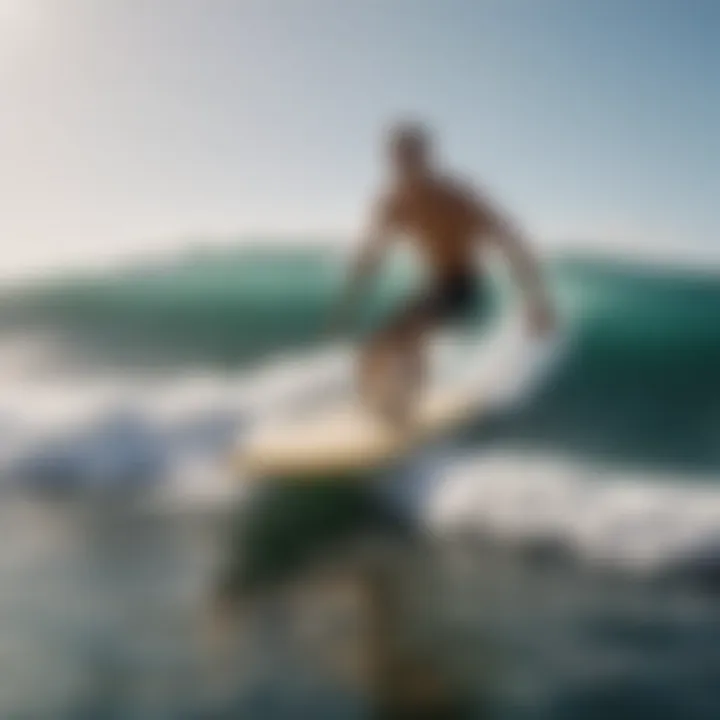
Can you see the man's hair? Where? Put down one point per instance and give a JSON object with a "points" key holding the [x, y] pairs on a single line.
{"points": [[411, 137]]}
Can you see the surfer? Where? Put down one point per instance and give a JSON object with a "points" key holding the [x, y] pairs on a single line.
{"points": [[446, 220]]}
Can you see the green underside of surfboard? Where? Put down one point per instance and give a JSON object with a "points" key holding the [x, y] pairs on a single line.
{"points": [[286, 527]]}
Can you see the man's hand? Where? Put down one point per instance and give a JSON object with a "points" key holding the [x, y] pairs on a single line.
{"points": [[541, 319]]}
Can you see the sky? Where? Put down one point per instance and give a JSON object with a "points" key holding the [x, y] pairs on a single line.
{"points": [[130, 125]]}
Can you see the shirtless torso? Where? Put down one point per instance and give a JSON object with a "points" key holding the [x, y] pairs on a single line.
{"points": [[442, 220]]}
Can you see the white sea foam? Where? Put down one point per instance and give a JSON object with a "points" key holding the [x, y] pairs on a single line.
{"points": [[89, 432], [172, 436], [643, 523]]}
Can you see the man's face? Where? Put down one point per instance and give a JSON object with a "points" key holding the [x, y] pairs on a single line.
{"points": [[408, 153]]}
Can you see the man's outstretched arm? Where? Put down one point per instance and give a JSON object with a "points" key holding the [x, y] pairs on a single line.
{"points": [[372, 250], [524, 267]]}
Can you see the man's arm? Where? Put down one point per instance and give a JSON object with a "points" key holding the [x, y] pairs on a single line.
{"points": [[523, 264], [371, 252]]}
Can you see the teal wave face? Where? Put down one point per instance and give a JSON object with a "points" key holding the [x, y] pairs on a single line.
{"points": [[220, 310], [640, 384]]}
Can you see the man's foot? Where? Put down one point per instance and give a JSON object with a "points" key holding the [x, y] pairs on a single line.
{"points": [[394, 418], [396, 404], [390, 381]]}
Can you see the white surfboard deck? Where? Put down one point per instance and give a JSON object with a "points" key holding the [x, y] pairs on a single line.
{"points": [[342, 437], [345, 437]]}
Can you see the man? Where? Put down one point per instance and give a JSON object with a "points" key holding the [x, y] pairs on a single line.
{"points": [[446, 221]]}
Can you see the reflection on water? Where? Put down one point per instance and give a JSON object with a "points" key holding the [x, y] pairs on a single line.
{"points": [[103, 614]]}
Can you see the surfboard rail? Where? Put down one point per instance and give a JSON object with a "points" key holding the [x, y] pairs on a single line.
{"points": [[346, 439]]}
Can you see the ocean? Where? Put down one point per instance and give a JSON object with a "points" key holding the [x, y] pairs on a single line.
{"points": [[578, 527]]}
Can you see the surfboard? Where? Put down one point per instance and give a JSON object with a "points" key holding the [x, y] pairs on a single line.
{"points": [[340, 438], [346, 438]]}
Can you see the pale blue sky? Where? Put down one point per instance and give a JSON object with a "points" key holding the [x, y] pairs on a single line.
{"points": [[128, 123]]}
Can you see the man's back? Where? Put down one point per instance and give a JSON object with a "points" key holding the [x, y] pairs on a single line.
{"points": [[443, 218]]}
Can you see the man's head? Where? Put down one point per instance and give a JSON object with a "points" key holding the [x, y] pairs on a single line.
{"points": [[410, 149]]}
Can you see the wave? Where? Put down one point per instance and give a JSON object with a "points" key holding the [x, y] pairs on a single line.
{"points": [[643, 523], [141, 380]]}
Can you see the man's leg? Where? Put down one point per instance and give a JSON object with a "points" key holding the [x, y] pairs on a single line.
{"points": [[392, 366]]}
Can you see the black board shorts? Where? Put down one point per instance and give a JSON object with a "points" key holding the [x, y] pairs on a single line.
{"points": [[450, 300]]}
